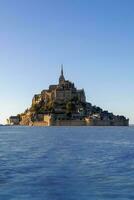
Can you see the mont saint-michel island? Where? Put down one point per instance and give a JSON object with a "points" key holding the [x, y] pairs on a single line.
{"points": [[65, 105]]}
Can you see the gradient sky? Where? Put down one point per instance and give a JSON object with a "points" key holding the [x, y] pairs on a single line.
{"points": [[94, 39]]}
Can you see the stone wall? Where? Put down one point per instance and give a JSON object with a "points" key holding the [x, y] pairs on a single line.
{"points": [[69, 123], [48, 120], [98, 122], [38, 124]]}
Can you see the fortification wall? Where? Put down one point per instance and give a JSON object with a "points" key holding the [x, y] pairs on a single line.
{"points": [[69, 123], [121, 123], [48, 121], [41, 123], [98, 122]]}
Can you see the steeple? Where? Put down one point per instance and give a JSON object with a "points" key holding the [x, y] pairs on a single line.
{"points": [[61, 79], [62, 70]]}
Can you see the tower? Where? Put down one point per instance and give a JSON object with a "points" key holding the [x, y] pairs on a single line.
{"points": [[61, 79]]}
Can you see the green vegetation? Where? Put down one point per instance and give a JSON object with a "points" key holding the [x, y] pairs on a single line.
{"points": [[70, 107]]}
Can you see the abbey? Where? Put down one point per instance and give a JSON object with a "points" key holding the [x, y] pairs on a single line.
{"points": [[61, 93], [65, 105]]}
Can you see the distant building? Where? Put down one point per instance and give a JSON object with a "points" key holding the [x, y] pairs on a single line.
{"points": [[13, 120]]}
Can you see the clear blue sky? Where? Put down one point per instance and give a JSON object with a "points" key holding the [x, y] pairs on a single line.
{"points": [[94, 39]]}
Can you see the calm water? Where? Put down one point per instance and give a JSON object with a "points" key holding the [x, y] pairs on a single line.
{"points": [[78, 163]]}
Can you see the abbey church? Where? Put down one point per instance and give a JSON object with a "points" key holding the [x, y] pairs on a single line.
{"points": [[62, 92]]}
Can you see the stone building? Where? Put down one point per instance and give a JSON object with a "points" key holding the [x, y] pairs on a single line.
{"points": [[13, 120], [62, 92]]}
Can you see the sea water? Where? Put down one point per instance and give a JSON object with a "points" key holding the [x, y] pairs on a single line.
{"points": [[66, 163]]}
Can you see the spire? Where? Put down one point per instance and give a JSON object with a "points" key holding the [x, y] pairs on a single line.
{"points": [[61, 79], [62, 70]]}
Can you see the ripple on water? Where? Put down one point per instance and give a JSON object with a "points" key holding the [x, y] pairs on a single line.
{"points": [[78, 163]]}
